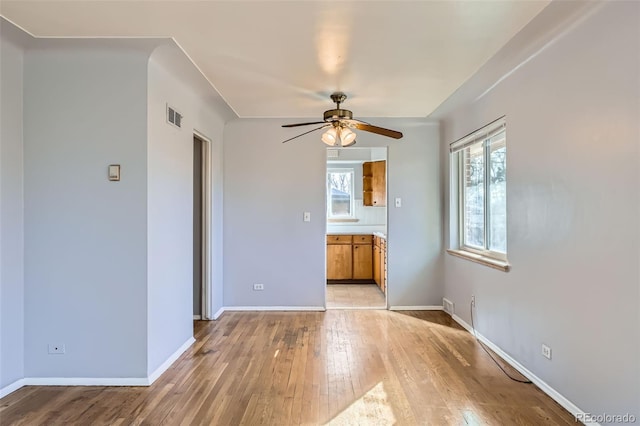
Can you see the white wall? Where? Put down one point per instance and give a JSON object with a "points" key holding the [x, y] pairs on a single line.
{"points": [[11, 205], [268, 185], [85, 107], [173, 80], [573, 206]]}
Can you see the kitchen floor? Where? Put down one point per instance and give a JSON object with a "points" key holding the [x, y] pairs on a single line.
{"points": [[361, 296]]}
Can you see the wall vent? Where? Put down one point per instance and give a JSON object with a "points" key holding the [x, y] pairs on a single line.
{"points": [[333, 153], [174, 117], [447, 306]]}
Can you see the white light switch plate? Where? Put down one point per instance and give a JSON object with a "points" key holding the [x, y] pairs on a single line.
{"points": [[306, 216], [114, 172], [398, 202]]}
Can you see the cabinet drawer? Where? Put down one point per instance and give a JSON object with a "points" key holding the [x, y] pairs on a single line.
{"points": [[362, 239], [339, 239]]}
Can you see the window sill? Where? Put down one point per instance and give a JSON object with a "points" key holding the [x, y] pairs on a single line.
{"points": [[343, 220], [500, 265]]}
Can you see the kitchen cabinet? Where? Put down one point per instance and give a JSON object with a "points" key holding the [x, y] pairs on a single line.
{"points": [[362, 262], [376, 260], [339, 257], [380, 262], [374, 183], [349, 257]]}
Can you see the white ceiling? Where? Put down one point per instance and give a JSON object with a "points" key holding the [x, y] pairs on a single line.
{"points": [[283, 58]]}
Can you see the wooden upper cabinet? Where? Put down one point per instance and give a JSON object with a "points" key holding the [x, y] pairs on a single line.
{"points": [[374, 183]]}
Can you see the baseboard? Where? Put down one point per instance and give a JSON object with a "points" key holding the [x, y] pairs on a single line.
{"points": [[544, 387], [165, 365], [12, 387], [197, 317], [86, 381], [416, 308], [356, 308], [218, 314], [273, 308], [98, 381]]}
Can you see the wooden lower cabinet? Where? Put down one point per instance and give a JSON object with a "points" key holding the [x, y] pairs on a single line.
{"points": [[339, 262], [380, 262], [362, 262], [376, 263], [349, 257]]}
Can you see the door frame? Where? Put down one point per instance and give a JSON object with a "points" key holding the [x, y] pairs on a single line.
{"points": [[207, 293]]}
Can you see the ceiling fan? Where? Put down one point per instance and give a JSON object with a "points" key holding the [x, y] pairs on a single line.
{"points": [[339, 123]]}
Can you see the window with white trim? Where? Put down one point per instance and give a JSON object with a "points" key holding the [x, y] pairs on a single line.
{"points": [[340, 193], [478, 191]]}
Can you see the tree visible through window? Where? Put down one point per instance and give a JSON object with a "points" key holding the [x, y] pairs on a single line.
{"points": [[340, 193], [480, 160]]}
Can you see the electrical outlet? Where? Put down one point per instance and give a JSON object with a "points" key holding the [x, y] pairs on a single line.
{"points": [[56, 349], [546, 351], [258, 287], [473, 301]]}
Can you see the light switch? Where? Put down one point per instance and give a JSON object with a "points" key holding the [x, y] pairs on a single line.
{"points": [[306, 217], [398, 202], [114, 172]]}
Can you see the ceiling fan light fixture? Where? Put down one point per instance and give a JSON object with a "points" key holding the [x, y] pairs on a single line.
{"points": [[347, 137], [330, 137]]}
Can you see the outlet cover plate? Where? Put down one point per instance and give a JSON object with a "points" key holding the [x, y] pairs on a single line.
{"points": [[546, 351]]}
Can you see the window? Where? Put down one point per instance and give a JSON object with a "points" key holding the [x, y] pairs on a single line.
{"points": [[478, 164], [340, 193]]}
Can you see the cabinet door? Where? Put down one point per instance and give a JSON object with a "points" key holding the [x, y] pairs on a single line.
{"points": [[379, 183], [376, 264], [339, 262], [362, 262]]}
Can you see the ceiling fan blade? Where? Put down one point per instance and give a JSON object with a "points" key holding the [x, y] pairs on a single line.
{"points": [[303, 124], [302, 134], [375, 129]]}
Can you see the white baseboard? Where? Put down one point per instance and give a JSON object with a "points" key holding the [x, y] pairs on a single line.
{"points": [[416, 308], [355, 308], [86, 381], [12, 387], [273, 308], [551, 392], [97, 381], [197, 317], [218, 314], [165, 365]]}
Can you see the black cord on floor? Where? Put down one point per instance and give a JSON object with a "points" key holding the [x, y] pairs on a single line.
{"points": [[489, 353]]}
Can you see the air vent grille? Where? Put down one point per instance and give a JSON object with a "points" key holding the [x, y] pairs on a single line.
{"points": [[174, 117], [448, 306], [333, 153]]}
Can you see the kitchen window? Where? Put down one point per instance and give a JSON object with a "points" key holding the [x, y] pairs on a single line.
{"points": [[340, 193], [479, 197]]}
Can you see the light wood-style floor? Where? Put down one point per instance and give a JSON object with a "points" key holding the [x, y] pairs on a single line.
{"points": [[340, 296], [340, 367]]}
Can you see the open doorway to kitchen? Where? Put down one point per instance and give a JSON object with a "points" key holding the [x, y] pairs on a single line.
{"points": [[356, 187]]}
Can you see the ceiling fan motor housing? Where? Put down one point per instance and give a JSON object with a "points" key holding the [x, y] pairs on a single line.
{"points": [[337, 114]]}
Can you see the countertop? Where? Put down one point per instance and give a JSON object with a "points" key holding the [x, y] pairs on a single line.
{"points": [[379, 234]]}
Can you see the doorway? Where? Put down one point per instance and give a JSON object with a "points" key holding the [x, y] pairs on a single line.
{"points": [[356, 224], [201, 228]]}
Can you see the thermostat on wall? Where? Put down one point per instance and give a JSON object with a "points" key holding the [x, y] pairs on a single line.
{"points": [[114, 172]]}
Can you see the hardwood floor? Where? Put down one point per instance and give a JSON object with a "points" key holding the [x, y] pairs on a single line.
{"points": [[340, 367], [340, 296]]}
